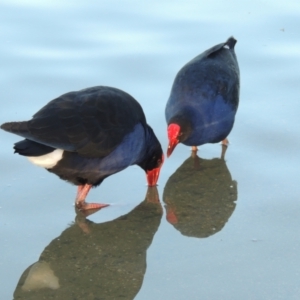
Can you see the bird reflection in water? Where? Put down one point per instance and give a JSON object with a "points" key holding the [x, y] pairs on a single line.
{"points": [[200, 196], [95, 261]]}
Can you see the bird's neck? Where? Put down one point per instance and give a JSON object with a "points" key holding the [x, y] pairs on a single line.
{"points": [[151, 148], [151, 140]]}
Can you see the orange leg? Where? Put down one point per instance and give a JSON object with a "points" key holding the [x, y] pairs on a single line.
{"points": [[194, 151], [225, 142], [82, 192]]}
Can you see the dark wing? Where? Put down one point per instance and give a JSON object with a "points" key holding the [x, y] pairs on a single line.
{"points": [[91, 122]]}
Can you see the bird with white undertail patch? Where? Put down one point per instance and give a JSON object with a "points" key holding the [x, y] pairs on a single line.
{"points": [[85, 136]]}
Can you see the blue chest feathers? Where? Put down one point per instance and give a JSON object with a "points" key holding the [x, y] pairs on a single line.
{"points": [[81, 170]]}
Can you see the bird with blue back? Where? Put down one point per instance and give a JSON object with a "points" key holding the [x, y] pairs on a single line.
{"points": [[85, 136], [204, 98]]}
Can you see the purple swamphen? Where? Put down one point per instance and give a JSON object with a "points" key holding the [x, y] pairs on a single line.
{"points": [[85, 136], [204, 98]]}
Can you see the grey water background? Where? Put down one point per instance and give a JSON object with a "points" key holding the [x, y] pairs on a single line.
{"points": [[52, 47]]}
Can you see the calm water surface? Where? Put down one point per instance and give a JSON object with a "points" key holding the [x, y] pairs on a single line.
{"points": [[224, 229]]}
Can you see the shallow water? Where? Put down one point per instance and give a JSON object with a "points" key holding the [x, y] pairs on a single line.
{"points": [[239, 238]]}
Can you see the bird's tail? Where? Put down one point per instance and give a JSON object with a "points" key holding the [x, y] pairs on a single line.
{"points": [[231, 42], [18, 128], [31, 148]]}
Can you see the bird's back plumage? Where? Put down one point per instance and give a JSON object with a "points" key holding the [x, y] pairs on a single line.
{"points": [[90, 122]]}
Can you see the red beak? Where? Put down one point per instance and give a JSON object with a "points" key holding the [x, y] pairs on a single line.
{"points": [[173, 132], [172, 144], [152, 176]]}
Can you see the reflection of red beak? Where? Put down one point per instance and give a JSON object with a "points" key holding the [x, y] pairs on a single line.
{"points": [[172, 144], [171, 216], [173, 132], [152, 176]]}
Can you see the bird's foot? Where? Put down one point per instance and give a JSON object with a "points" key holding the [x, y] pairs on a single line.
{"points": [[89, 208], [85, 207], [82, 205]]}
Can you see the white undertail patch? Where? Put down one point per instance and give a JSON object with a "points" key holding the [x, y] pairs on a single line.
{"points": [[48, 160]]}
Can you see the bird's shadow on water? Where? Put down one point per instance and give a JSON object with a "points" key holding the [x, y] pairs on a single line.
{"points": [[200, 196], [95, 261]]}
